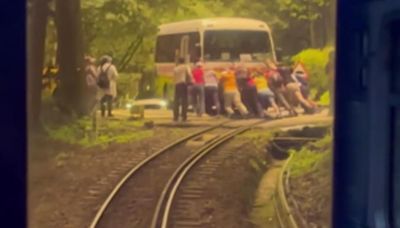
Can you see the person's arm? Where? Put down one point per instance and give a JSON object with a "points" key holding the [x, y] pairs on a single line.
{"points": [[215, 76], [114, 72], [189, 74], [222, 76], [93, 72]]}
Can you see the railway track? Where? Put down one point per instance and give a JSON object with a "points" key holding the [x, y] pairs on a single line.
{"points": [[145, 196], [287, 210]]}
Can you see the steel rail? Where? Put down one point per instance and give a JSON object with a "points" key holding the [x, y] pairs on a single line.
{"points": [[282, 207], [174, 182], [135, 169]]}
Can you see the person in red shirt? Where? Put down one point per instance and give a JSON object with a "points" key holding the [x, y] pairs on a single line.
{"points": [[198, 89]]}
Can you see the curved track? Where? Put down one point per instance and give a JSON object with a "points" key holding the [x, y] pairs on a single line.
{"points": [[145, 194], [162, 215]]}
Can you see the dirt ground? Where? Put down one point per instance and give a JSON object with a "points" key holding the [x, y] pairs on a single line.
{"points": [[226, 182], [67, 183], [238, 177]]}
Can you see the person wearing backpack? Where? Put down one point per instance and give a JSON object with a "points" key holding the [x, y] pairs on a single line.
{"points": [[107, 82]]}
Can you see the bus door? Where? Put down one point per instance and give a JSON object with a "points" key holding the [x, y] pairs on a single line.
{"points": [[184, 48]]}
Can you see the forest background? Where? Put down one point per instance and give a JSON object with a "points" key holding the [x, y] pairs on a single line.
{"points": [[62, 32]]}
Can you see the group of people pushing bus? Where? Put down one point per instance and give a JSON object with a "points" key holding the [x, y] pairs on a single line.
{"points": [[250, 91]]}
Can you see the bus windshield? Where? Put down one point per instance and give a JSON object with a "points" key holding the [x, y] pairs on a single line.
{"points": [[229, 45]]}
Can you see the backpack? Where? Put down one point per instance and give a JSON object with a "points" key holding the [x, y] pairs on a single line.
{"points": [[103, 81]]}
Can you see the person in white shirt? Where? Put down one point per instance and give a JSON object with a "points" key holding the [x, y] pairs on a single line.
{"points": [[211, 90], [91, 81], [107, 84], [182, 77]]}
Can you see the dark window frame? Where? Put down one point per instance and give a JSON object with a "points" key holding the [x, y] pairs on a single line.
{"points": [[172, 43], [393, 60], [234, 51]]}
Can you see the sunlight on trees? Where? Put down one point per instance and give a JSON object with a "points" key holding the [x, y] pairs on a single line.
{"points": [[126, 29]]}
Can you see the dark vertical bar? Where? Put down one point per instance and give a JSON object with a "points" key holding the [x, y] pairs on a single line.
{"points": [[13, 115], [351, 121]]}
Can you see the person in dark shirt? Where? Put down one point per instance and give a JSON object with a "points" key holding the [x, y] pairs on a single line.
{"points": [[276, 83], [293, 89]]}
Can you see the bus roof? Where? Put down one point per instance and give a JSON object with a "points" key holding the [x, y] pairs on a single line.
{"points": [[227, 23]]}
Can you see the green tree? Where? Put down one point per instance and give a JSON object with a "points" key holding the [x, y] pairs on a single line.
{"points": [[308, 11]]}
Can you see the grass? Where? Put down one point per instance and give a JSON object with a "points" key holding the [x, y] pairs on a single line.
{"points": [[258, 163], [259, 137], [311, 157], [79, 132], [311, 182]]}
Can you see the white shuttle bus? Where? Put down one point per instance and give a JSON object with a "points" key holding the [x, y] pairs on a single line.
{"points": [[216, 41]]}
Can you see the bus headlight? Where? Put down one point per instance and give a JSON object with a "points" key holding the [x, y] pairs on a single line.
{"points": [[128, 106], [163, 104]]}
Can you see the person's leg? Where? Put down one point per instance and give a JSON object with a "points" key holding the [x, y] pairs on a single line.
{"points": [[221, 98], [295, 91], [103, 105], [184, 90], [208, 101], [271, 100], [94, 98], [289, 93], [308, 108], [215, 97], [263, 100], [255, 104], [202, 99], [195, 98], [228, 99], [190, 97], [109, 105], [177, 98], [282, 99], [239, 105], [245, 99]]}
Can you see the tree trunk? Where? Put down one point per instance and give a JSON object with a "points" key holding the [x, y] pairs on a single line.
{"points": [[327, 25], [312, 33], [131, 53], [37, 21], [332, 22], [71, 93]]}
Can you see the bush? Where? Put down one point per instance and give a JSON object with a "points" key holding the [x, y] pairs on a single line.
{"points": [[312, 156], [315, 61], [162, 81], [127, 86]]}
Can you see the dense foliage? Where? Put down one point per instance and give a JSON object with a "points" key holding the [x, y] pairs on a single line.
{"points": [[315, 61], [62, 32], [126, 28], [311, 181]]}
